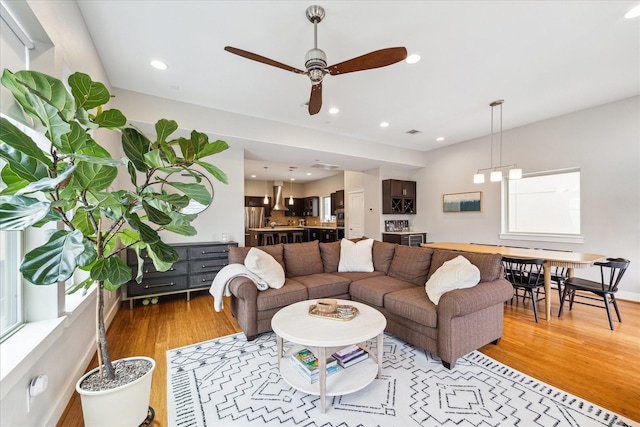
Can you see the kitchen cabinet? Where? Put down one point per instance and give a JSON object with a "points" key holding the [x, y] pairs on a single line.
{"points": [[311, 206], [337, 201], [405, 238], [398, 197], [295, 209], [197, 265]]}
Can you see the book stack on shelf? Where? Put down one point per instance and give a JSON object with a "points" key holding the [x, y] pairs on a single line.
{"points": [[350, 356], [307, 364]]}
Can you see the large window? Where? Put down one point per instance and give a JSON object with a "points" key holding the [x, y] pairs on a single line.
{"points": [[15, 56], [543, 204], [325, 208]]}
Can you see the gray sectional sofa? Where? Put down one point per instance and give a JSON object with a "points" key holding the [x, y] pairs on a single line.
{"points": [[462, 321]]}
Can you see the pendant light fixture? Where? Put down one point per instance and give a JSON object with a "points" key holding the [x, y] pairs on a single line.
{"points": [[266, 194], [291, 186], [496, 171]]}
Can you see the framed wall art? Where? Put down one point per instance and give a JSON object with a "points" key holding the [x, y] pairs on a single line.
{"points": [[462, 202]]}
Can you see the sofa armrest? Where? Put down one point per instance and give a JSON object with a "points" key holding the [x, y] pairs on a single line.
{"points": [[460, 302], [245, 289]]}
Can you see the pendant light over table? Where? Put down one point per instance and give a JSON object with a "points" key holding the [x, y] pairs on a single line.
{"points": [[496, 172]]}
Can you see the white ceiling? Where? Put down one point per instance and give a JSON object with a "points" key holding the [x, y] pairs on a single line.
{"points": [[544, 58]]}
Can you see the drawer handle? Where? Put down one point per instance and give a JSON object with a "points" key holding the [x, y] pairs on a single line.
{"points": [[158, 285], [171, 269]]}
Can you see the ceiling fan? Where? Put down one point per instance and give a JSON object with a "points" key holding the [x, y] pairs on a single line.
{"points": [[316, 61]]}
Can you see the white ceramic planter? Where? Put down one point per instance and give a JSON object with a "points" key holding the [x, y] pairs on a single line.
{"points": [[125, 406]]}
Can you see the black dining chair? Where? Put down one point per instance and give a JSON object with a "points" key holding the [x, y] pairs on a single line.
{"points": [[611, 271], [525, 274]]}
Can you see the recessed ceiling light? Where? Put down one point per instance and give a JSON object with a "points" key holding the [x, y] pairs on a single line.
{"points": [[384, 124], [334, 110], [412, 59], [633, 13], [158, 64], [308, 173], [253, 176], [440, 138]]}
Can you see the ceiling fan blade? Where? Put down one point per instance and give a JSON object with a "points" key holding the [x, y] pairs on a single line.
{"points": [[264, 60], [375, 59], [315, 101]]}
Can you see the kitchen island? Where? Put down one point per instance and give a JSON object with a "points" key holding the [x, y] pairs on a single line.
{"points": [[323, 233]]}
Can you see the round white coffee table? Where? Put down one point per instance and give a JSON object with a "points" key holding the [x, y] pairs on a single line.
{"points": [[325, 336]]}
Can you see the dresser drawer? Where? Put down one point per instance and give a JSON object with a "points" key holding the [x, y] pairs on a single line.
{"points": [[201, 280], [177, 269], [207, 265], [210, 251], [156, 286], [132, 259]]}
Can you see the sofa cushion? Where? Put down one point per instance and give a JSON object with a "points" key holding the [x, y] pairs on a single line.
{"points": [[356, 256], [330, 255], [383, 255], [302, 259], [412, 304], [373, 289], [324, 285], [490, 265], [457, 273], [263, 265], [237, 254], [290, 293], [411, 263]]}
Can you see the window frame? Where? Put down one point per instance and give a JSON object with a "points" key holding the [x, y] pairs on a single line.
{"points": [[505, 234]]}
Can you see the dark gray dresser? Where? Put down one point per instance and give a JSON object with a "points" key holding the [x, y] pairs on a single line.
{"points": [[194, 271]]}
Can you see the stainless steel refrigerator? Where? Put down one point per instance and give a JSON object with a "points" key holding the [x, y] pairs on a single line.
{"points": [[253, 218]]}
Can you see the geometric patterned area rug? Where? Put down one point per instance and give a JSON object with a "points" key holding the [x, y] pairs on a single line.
{"points": [[231, 382]]}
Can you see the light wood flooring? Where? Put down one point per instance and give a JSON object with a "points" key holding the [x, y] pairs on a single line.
{"points": [[577, 353]]}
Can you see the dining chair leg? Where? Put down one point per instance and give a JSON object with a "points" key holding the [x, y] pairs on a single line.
{"points": [[573, 294], [562, 298], [535, 305], [615, 305], [606, 305]]}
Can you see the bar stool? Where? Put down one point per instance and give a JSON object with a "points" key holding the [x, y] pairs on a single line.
{"points": [[283, 237], [296, 237], [267, 239]]}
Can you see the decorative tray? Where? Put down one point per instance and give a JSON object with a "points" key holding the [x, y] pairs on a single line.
{"points": [[344, 312]]}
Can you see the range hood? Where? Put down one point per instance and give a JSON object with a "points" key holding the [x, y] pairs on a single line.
{"points": [[278, 202]]}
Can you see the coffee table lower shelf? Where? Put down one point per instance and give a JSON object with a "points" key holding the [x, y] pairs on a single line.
{"points": [[345, 381]]}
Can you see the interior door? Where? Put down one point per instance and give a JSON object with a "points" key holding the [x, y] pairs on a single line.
{"points": [[354, 221]]}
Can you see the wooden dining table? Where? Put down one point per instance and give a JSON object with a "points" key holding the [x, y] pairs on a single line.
{"points": [[569, 260]]}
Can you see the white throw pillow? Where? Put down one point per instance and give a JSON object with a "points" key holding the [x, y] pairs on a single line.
{"points": [[265, 267], [457, 273], [356, 256]]}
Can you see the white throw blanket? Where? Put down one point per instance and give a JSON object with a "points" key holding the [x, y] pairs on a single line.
{"points": [[220, 286]]}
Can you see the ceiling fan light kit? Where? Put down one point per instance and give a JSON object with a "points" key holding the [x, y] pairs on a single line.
{"points": [[316, 60], [496, 174]]}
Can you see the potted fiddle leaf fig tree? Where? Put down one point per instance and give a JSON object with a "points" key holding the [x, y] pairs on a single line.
{"points": [[67, 178]]}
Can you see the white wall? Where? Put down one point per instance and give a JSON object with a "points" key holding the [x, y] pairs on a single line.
{"points": [[325, 186], [604, 142]]}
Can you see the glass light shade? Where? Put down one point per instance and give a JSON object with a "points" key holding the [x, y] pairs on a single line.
{"points": [[478, 178], [515, 173], [496, 176], [290, 200], [266, 199]]}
